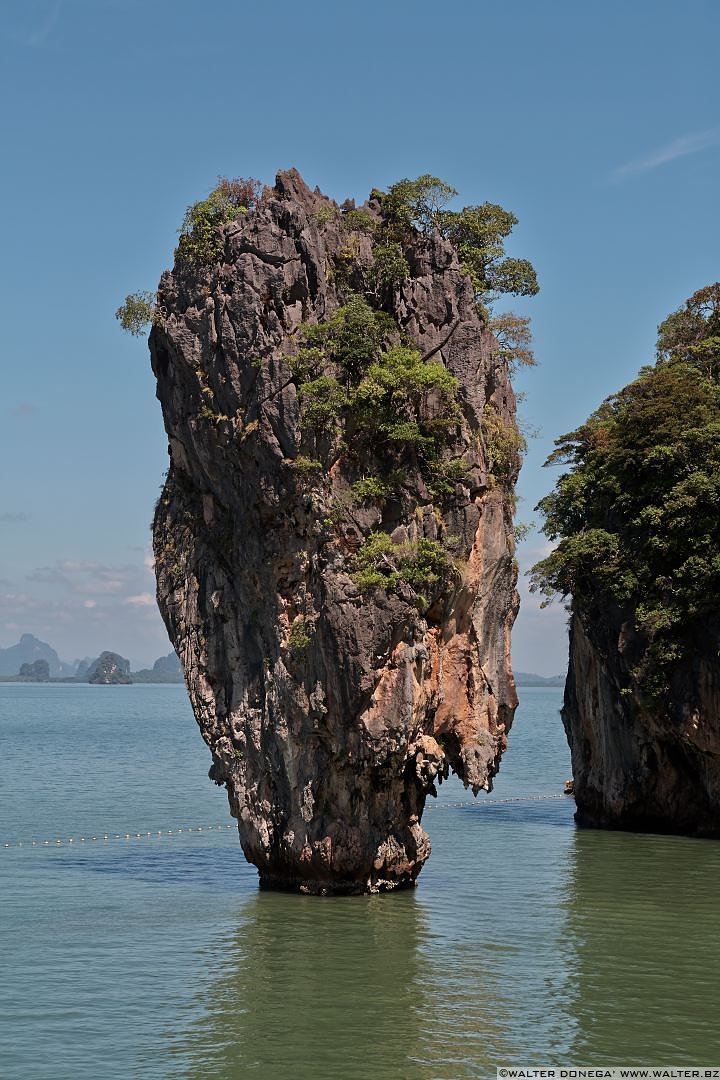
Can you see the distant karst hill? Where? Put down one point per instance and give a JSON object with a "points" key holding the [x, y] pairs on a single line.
{"points": [[37, 671], [168, 665], [166, 669], [110, 669], [35, 660], [27, 651]]}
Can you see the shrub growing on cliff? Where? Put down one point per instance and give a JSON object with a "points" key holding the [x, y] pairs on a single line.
{"points": [[416, 203], [637, 517], [390, 400], [350, 340], [444, 474], [514, 337], [372, 489], [137, 313], [389, 266], [326, 214], [358, 221], [423, 565], [504, 443], [478, 233], [299, 640], [201, 240]]}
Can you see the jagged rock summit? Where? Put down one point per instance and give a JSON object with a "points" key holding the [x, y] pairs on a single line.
{"points": [[334, 546]]}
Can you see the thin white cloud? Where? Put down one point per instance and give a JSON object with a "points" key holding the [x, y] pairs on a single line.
{"points": [[71, 623], [663, 155], [107, 587], [92, 578], [141, 600]]}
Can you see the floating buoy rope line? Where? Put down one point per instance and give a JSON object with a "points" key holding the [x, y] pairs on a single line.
{"points": [[153, 834]]}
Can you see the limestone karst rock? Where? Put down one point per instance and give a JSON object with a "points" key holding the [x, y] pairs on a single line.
{"points": [[635, 528], [110, 669], [27, 650], [37, 671], [167, 665], [331, 706], [635, 765]]}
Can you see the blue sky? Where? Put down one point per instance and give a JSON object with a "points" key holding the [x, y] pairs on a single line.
{"points": [[598, 125]]}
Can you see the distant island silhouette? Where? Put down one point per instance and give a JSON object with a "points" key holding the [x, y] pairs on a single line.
{"points": [[33, 660], [528, 678]]}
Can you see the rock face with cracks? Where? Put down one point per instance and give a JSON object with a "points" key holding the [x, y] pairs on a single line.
{"points": [[635, 765], [331, 709]]}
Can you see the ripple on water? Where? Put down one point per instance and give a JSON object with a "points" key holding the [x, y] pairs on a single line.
{"points": [[526, 942]]}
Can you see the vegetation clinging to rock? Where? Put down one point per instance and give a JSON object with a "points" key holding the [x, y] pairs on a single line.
{"points": [[355, 381], [514, 336], [477, 233], [424, 566], [637, 517], [137, 312], [201, 239]]}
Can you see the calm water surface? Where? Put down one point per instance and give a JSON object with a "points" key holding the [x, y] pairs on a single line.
{"points": [[526, 942]]}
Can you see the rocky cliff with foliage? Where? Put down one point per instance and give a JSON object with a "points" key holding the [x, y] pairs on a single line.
{"points": [[334, 542], [637, 525]]}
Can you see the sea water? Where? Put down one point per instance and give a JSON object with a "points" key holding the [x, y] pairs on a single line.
{"points": [[526, 942]]}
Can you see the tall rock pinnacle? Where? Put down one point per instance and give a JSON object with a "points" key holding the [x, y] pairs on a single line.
{"points": [[334, 546]]}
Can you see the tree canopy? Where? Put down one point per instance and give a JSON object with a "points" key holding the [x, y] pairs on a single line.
{"points": [[693, 332], [636, 519], [477, 233]]}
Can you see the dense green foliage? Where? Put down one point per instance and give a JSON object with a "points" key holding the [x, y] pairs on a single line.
{"points": [[358, 221], [299, 639], [424, 566], [637, 517], [477, 232], [373, 392], [389, 267], [693, 333], [416, 204], [372, 489]]}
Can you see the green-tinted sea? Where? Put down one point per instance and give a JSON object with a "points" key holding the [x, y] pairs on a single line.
{"points": [[527, 942]]}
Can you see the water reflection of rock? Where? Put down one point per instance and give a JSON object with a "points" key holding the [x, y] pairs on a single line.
{"points": [[643, 929], [315, 989], [346, 989]]}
